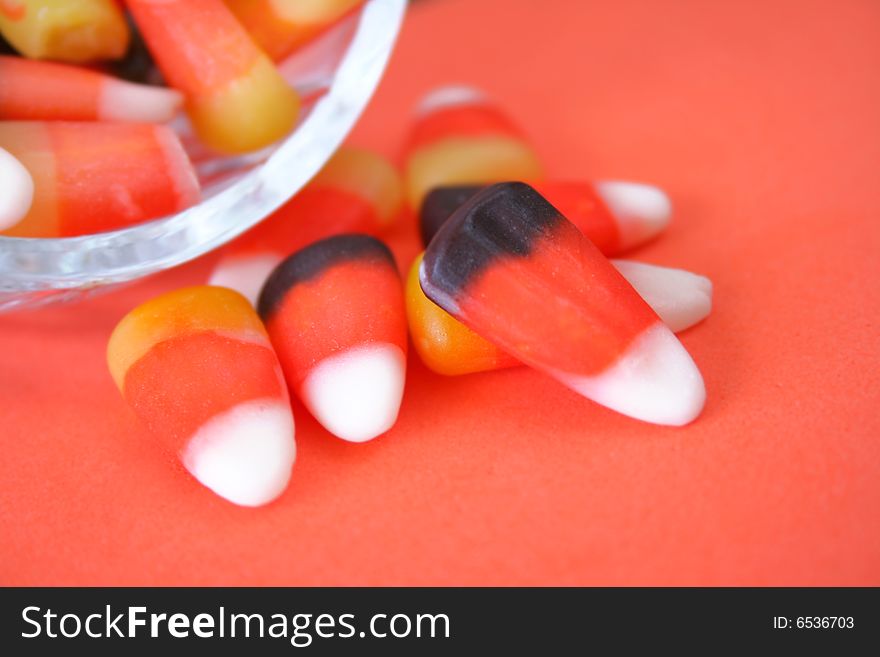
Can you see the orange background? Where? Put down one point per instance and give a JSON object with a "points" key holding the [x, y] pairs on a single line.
{"points": [[761, 119]]}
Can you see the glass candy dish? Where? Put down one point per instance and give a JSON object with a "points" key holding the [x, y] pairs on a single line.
{"points": [[336, 76]]}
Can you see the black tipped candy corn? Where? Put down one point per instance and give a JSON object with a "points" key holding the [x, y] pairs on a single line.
{"points": [[335, 313], [512, 268]]}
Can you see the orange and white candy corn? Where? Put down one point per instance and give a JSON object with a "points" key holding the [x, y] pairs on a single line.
{"points": [[93, 177], [235, 97], [76, 31], [45, 91], [335, 313], [280, 26], [357, 191], [461, 138], [514, 270], [197, 368]]}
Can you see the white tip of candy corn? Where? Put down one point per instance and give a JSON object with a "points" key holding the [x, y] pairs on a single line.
{"points": [[356, 395], [245, 454], [16, 190], [655, 380], [449, 96], [138, 103], [244, 274], [680, 298], [642, 211]]}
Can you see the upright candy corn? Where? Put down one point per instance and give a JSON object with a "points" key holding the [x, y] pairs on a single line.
{"points": [[356, 191], [514, 270], [235, 97], [197, 367], [279, 26], [94, 177], [680, 298], [65, 30], [461, 138], [615, 216], [17, 191], [335, 314], [32, 90]]}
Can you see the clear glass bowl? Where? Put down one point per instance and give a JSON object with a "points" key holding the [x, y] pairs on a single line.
{"points": [[336, 75]]}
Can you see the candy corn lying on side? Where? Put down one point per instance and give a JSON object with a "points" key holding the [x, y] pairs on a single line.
{"points": [[76, 31], [93, 177], [197, 368], [356, 191], [33, 90], [235, 97], [514, 270]]}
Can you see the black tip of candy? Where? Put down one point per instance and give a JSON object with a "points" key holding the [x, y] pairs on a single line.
{"points": [[502, 220], [311, 261], [439, 205]]}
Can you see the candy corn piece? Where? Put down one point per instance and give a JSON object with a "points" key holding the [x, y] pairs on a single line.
{"points": [[461, 138], [94, 177], [235, 97], [18, 191], [197, 367], [78, 32], [680, 298], [514, 270], [33, 90], [615, 216], [335, 313], [280, 26], [356, 191]]}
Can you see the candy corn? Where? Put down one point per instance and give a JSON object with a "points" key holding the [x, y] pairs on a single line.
{"points": [[461, 138], [197, 367], [69, 31], [356, 191], [615, 216], [335, 313], [514, 270], [18, 191], [33, 90], [235, 97], [680, 298], [94, 177], [279, 26]]}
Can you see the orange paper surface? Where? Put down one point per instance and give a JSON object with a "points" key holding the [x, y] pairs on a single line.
{"points": [[761, 120]]}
